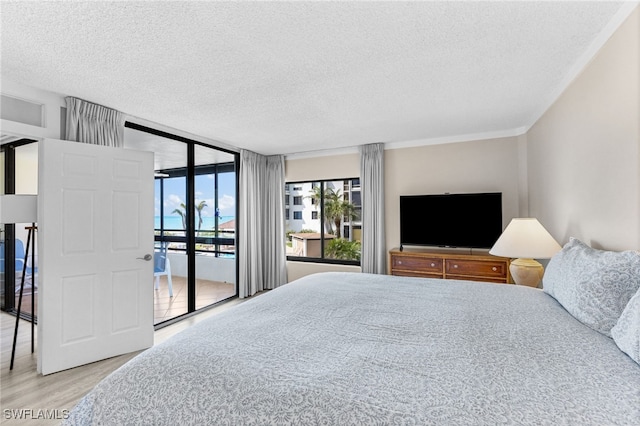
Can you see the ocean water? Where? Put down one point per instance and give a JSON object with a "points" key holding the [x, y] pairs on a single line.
{"points": [[175, 222]]}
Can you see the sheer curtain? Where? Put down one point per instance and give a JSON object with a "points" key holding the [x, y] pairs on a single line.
{"points": [[374, 251], [261, 245], [94, 124]]}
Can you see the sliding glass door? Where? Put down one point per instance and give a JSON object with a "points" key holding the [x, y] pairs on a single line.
{"points": [[214, 243], [18, 175], [195, 226], [171, 284]]}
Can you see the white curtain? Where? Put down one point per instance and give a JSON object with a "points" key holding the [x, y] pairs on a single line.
{"points": [[261, 248], [94, 124], [374, 252]]}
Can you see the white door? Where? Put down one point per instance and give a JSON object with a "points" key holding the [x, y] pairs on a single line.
{"points": [[95, 229]]}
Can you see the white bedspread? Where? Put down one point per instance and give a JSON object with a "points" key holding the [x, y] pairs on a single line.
{"points": [[352, 349]]}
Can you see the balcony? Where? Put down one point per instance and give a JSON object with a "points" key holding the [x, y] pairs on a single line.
{"points": [[215, 271]]}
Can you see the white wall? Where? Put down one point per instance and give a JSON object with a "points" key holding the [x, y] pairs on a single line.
{"points": [[583, 155], [52, 103], [207, 267], [27, 169]]}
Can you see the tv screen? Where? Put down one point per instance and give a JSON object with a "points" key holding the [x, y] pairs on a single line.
{"points": [[451, 220]]}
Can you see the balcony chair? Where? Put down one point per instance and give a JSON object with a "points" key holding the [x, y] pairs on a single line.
{"points": [[162, 266], [19, 264]]}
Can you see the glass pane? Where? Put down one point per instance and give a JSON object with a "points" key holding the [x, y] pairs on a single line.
{"points": [[355, 222], [226, 213], [170, 257], [26, 181], [332, 231], [342, 204], [303, 222], [214, 212], [2, 236]]}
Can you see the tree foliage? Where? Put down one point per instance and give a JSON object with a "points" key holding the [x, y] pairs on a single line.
{"points": [[343, 249], [181, 211], [335, 208]]}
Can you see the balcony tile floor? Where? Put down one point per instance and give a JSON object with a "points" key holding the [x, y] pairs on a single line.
{"points": [[207, 292]]}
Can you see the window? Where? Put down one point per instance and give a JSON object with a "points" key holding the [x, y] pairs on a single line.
{"points": [[195, 220], [331, 229]]}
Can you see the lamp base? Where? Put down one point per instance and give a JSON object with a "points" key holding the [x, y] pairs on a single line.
{"points": [[526, 272]]}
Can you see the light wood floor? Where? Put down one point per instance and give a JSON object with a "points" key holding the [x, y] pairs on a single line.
{"points": [[24, 389]]}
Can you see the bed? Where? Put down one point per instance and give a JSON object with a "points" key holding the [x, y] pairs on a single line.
{"points": [[352, 349]]}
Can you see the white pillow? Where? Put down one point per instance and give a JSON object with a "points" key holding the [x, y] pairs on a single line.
{"points": [[593, 285], [626, 332]]}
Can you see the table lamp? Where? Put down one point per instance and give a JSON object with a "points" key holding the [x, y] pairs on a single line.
{"points": [[525, 239], [22, 209]]}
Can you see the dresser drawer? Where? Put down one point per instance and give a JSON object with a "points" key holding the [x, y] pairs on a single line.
{"points": [[417, 263], [489, 269], [418, 274]]}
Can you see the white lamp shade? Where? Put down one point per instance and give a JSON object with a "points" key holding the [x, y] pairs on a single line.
{"points": [[18, 208], [525, 238]]}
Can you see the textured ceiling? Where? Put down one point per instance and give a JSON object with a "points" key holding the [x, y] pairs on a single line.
{"points": [[278, 77]]}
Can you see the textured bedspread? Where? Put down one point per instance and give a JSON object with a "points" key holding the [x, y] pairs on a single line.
{"points": [[352, 349]]}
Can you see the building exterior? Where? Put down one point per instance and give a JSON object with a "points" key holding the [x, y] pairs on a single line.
{"points": [[303, 209]]}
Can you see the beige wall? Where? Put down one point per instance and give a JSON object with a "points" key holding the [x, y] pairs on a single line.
{"points": [[478, 166], [297, 270], [323, 167], [583, 154]]}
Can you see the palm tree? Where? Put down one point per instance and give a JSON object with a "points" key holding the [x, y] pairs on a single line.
{"points": [[201, 205], [336, 208], [316, 196], [349, 211], [182, 213]]}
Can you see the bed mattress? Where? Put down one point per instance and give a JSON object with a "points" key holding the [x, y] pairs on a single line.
{"points": [[349, 348]]}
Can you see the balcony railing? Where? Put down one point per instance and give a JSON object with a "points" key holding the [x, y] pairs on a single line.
{"points": [[222, 245]]}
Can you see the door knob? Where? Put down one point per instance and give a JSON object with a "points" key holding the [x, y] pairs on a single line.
{"points": [[146, 257]]}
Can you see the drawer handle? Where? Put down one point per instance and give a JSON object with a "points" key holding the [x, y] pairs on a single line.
{"points": [[399, 262], [455, 266], [494, 269], [433, 265]]}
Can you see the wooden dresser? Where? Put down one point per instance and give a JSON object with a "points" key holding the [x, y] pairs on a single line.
{"points": [[449, 264]]}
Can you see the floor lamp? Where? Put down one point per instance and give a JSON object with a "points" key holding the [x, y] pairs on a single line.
{"points": [[22, 209]]}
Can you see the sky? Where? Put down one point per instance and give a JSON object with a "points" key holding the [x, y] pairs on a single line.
{"points": [[175, 194]]}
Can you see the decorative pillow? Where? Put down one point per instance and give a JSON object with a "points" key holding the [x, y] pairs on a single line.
{"points": [[593, 285], [626, 332]]}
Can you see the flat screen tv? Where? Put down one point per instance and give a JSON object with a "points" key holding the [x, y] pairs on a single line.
{"points": [[451, 220]]}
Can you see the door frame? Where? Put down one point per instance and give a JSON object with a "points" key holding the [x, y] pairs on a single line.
{"points": [[9, 237], [190, 220]]}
